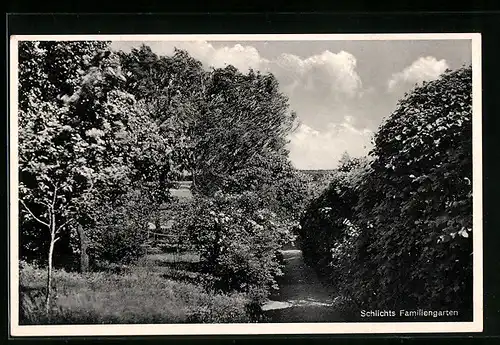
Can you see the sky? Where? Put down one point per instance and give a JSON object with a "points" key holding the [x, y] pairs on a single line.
{"points": [[341, 90]]}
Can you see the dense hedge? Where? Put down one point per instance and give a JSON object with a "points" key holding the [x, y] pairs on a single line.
{"points": [[326, 219], [401, 235]]}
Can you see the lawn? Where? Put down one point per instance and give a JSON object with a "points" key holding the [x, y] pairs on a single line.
{"points": [[148, 292]]}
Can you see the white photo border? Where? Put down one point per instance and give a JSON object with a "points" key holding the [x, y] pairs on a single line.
{"points": [[476, 325]]}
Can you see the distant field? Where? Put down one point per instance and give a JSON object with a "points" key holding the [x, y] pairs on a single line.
{"points": [[183, 191], [317, 172]]}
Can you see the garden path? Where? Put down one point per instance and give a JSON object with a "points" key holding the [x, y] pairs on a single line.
{"points": [[302, 297]]}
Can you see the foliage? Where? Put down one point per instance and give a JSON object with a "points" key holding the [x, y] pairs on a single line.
{"points": [[242, 124], [105, 135], [61, 162], [47, 170], [328, 218], [228, 129], [170, 90], [84, 144], [348, 163], [416, 206], [50, 70], [119, 236], [230, 133], [238, 242], [280, 187]]}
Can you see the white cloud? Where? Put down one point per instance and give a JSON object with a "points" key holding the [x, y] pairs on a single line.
{"points": [[241, 57], [325, 72], [424, 69], [321, 87], [313, 149]]}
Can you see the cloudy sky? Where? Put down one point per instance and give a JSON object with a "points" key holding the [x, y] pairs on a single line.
{"points": [[341, 90]]}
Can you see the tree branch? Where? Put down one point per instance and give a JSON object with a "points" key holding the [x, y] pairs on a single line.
{"points": [[44, 203], [63, 225], [54, 197], [35, 217], [91, 186]]}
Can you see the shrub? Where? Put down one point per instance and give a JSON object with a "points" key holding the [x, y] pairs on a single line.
{"points": [[119, 233], [416, 205], [398, 233], [119, 243], [281, 188], [238, 242]]}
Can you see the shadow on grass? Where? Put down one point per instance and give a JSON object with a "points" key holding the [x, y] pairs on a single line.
{"points": [[182, 266]]}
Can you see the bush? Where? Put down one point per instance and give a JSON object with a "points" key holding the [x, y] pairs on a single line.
{"points": [[238, 242], [281, 188], [120, 243], [400, 236], [416, 206], [119, 234]]}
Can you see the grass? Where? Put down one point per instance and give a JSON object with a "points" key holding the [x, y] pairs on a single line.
{"points": [[144, 293]]}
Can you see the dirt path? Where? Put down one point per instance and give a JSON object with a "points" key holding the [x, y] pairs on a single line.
{"points": [[302, 297]]}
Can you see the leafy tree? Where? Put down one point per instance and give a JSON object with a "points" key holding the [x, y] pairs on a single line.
{"points": [[54, 177], [280, 187], [244, 116], [49, 70], [223, 122], [348, 163], [230, 133], [171, 91], [83, 150], [398, 232], [229, 128]]}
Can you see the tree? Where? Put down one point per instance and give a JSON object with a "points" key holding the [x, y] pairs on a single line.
{"points": [[229, 131], [170, 89], [280, 187], [398, 232], [49, 71], [80, 151], [348, 163], [229, 128], [50, 170], [244, 116]]}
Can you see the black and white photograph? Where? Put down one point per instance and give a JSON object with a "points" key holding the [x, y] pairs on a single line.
{"points": [[245, 184]]}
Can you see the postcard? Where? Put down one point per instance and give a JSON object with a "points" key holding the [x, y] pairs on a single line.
{"points": [[245, 184]]}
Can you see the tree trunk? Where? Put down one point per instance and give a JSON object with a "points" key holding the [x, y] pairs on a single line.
{"points": [[84, 257], [49, 272], [157, 219], [214, 255]]}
